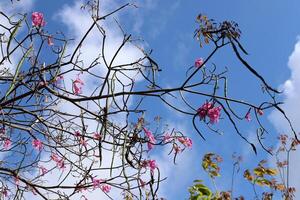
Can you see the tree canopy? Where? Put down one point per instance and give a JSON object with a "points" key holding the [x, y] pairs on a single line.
{"points": [[74, 111]]}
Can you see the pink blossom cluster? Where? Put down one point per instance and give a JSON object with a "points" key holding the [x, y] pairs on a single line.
{"points": [[187, 142], [6, 144], [199, 62], [83, 142], [50, 41], [77, 133], [2, 130], [38, 19], [151, 138], [80, 137], [203, 110], [96, 182], [43, 169], [142, 183], [99, 183], [177, 149], [167, 138], [17, 180], [33, 190], [59, 161], [105, 188], [37, 144], [208, 109], [5, 192], [151, 164], [97, 136], [260, 112], [77, 85], [248, 116]]}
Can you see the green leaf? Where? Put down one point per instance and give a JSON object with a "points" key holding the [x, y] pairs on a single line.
{"points": [[262, 182], [12, 36], [259, 171], [198, 181], [271, 172], [13, 84]]}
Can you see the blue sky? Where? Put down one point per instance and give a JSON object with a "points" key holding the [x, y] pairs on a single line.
{"points": [[269, 33]]}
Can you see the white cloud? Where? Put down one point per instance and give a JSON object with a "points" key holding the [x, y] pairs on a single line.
{"points": [[12, 9], [183, 172], [77, 22], [291, 107], [145, 9]]}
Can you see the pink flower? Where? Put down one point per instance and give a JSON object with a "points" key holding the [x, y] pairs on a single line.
{"points": [[248, 116], [55, 157], [149, 163], [2, 131], [43, 170], [7, 144], [32, 190], [167, 138], [177, 149], [50, 41], [77, 133], [105, 188], [186, 141], [17, 180], [5, 192], [144, 164], [189, 142], [83, 142], [150, 146], [38, 19], [214, 114], [43, 83], [59, 161], [142, 183], [96, 182], [208, 109], [37, 144], [152, 165], [199, 62], [61, 164], [97, 136], [151, 139], [203, 110], [77, 85], [181, 140], [260, 112]]}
